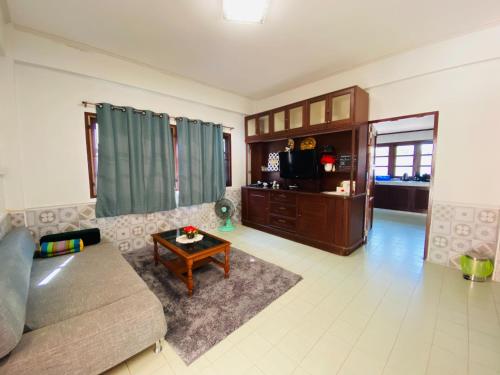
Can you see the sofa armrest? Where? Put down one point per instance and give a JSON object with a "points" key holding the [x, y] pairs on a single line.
{"points": [[92, 342]]}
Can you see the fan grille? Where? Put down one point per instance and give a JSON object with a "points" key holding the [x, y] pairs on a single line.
{"points": [[224, 202]]}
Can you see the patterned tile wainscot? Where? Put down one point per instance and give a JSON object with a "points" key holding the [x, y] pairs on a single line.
{"points": [[127, 232], [457, 228]]}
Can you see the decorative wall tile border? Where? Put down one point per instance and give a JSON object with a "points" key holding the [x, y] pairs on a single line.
{"points": [[458, 228], [127, 232]]}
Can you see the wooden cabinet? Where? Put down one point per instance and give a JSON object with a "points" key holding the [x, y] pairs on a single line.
{"points": [[264, 124], [296, 116], [332, 223], [257, 206], [340, 107], [312, 217], [279, 120], [317, 111], [401, 198], [251, 128], [329, 111]]}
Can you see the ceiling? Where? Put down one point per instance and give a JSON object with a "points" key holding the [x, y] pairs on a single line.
{"points": [[300, 41], [405, 125]]}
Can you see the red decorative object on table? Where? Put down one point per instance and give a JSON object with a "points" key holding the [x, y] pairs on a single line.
{"points": [[190, 231]]}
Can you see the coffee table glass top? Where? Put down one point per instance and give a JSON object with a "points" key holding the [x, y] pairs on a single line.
{"points": [[192, 248]]}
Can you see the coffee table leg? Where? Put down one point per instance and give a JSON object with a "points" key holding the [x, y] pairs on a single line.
{"points": [[189, 265], [156, 253], [226, 262]]}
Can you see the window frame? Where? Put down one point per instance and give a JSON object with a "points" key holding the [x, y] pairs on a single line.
{"points": [[417, 153], [90, 128], [228, 154]]}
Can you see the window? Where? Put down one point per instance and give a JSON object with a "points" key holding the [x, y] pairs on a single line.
{"points": [[425, 164], [404, 160], [91, 136], [381, 160], [227, 158], [396, 159]]}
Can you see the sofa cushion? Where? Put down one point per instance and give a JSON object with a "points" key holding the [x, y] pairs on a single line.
{"points": [[73, 284], [90, 343], [91, 236], [16, 257]]}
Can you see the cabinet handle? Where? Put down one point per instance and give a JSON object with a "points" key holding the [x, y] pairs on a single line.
{"points": [[257, 195], [282, 208], [281, 221], [282, 195]]}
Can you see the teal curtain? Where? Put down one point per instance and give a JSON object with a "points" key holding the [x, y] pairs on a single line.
{"points": [[201, 162], [135, 171]]}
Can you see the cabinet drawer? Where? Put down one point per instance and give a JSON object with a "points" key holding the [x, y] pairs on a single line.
{"points": [[257, 194], [283, 209], [281, 222], [278, 196]]}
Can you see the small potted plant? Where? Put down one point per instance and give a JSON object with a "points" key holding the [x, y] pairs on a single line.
{"points": [[328, 158], [328, 162], [190, 231]]}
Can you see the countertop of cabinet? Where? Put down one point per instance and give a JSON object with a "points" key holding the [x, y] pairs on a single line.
{"points": [[296, 191], [420, 184]]}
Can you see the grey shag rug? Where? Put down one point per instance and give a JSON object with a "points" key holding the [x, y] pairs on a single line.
{"points": [[218, 306]]}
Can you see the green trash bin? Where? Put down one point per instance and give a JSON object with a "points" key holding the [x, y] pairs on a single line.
{"points": [[476, 267]]}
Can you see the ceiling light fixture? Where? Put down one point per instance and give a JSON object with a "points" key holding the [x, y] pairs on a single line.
{"points": [[249, 11]]}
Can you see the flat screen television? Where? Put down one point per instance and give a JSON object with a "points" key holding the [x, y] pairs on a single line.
{"points": [[299, 164]]}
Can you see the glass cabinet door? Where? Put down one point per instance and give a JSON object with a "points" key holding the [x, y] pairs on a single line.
{"points": [[279, 121], [251, 127], [296, 117], [341, 107], [263, 122], [317, 112]]}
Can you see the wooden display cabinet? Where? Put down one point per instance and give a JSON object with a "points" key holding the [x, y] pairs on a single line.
{"points": [[331, 111], [308, 215]]}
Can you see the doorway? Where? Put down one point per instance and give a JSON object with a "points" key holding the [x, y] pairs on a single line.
{"points": [[401, 174]]}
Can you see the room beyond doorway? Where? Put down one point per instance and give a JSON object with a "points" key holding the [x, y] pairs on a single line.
{"points": [[402, 154]]}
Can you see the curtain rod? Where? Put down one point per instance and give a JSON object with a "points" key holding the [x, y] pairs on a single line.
{"points": [[86, 104]]}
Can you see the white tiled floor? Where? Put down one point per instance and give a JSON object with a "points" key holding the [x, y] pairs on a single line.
{"points": [[379, 311]]}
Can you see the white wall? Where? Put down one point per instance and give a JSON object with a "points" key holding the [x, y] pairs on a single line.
{"points": [[42, 138], [423, 135], [3, 94], [3, 47], [460, 78], [51, 123], [69, 56]]}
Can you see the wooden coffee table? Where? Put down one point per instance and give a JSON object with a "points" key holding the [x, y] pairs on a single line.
{"points": [[191, 256]]}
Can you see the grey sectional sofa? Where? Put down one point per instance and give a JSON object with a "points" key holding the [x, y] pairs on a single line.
{"points": [[74, 314]]}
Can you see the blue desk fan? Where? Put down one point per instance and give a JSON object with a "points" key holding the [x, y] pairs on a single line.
{"points": [[224, 209]]}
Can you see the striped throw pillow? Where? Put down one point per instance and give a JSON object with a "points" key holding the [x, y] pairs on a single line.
{"points": [[51, 249]]}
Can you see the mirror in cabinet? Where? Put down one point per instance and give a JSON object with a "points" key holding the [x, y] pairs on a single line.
{"points": [[279, 121], [317, 111], [296, 116], [263, 124], [251, 127], [340, 107]]}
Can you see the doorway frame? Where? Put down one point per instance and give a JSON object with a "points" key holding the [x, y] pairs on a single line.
{"points": [[433, 166]]}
